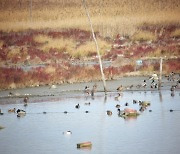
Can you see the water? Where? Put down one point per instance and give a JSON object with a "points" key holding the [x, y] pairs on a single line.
{"points": [[151, 132]]}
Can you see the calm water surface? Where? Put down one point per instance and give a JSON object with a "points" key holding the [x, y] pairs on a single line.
{"points": [[156, 132]]}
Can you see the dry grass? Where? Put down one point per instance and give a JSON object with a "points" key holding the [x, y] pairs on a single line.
{"points": [[163, 53], [1, 43], [109, 17], [176, 33], [89, 48], [14, 52], [143, 36], [69, 46]]}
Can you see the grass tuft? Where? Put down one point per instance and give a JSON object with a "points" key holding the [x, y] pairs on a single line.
{"points": [[143, 36]]}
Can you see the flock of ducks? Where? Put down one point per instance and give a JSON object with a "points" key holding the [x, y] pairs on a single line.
{"points": [[19, 112], [143, 104]]}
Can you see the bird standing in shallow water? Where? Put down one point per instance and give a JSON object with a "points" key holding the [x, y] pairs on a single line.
{"points": [[26, 100], [117, 97]]}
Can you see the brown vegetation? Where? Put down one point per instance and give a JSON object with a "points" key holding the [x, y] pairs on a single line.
{"points": [[57, 41]]}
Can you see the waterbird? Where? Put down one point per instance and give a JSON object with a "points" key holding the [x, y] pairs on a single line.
{"points": [[118, 106], [26, 100], [135, 101], [171, 110], [109, 112], [20, 112], [12, 110], [87, 90], [117, 97], [65, 112], [126, 104], [67, 132], [1, 112], [119, 111], [87, 103], [141, 109], [77, 106], [120, 88]]}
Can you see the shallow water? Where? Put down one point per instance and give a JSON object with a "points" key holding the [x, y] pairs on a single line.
{"points": [[151, 132]]}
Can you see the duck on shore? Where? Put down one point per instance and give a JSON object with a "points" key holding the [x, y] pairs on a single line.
{"points": [[120, 88]]}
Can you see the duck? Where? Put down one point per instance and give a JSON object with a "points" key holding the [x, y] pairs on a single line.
{"points": [[142, 109], [87, 103], [118, 106], [120, 88], [93, 89], [87, 90], [119, 111], [77, 106], [20, 112], [117, 97], [171, 110], [12, 110], [1, 112], [172, 88], [26, 100], [53, 86], [135, 101], [126, 104], [67, 132], [109, 112]]}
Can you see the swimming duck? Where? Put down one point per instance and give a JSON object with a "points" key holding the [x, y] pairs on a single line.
{"points": [[77, 106], [67, 132], [1, 112], [135, 101], [12, 110], [20, 112], [118, 106], [171, 110], [87, 103], [126, 104], [119, 111], [142, 109], [109, 112], [87, 90]]}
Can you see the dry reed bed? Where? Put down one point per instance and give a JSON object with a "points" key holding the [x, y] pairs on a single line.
{"points": [[109, 17]]}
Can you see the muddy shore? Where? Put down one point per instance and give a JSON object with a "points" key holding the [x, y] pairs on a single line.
{"points": [[77, 89]]}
